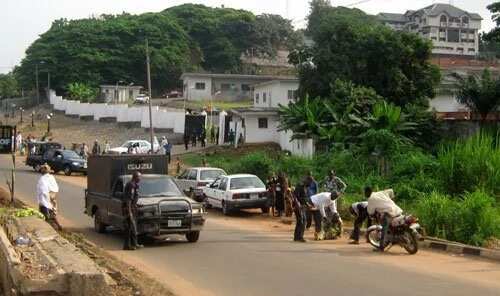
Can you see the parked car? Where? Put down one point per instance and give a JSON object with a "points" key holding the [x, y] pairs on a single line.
{"points": [[67, 161], [235, 192], [162, 207], [193, 180], [144, 147], [141, 99]]}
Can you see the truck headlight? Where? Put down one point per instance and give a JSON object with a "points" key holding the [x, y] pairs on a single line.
{"points": [[198, 211], [76, 163], [147, 211]]}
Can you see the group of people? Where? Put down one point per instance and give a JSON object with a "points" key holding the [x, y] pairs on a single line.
{"points": [[309, 205]]}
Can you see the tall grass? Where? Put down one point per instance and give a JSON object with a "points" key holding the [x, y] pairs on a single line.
{"points": [[471, 164]]}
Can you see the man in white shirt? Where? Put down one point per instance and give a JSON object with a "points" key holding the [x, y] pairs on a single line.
{"points": [[321, 201], [381, 204], [46, 189]]}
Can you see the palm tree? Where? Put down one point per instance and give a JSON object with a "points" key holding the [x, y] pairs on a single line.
{"points": [[480, 94]]}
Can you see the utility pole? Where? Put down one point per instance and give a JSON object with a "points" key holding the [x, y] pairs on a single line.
{"points": [[48, 83], [148, 68], [37, 89]]}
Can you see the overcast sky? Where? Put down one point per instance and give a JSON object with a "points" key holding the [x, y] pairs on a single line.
{"points": [[21, 21]]}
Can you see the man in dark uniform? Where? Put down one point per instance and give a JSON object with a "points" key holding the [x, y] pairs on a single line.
{"points": [[130, 198], [301, 205]]}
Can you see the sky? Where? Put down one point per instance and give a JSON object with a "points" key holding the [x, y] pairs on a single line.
{"points": [[22, 21]]}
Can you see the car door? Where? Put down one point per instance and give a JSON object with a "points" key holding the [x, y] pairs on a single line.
{"points": [[48, 157], [115, 205], [57, 161], [191, 181], [144, 147], [211, 192], [221, 191]]}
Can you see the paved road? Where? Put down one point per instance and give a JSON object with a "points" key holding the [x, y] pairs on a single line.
{"points": [[235, 257]]}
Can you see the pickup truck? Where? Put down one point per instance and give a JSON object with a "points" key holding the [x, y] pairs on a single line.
{"points": [[162, 207], [36, 151]]}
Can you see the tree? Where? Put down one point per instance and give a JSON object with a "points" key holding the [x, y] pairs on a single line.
{"points": [[81, 92], [8, 86], [352, 46], [480, 94], [273, 32]]}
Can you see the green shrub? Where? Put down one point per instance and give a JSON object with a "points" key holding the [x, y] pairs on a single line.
{"points": [[471, 164], [295, 167], [472, 219], [256, 163]]}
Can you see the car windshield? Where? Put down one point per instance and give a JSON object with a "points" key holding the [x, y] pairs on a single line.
{"points": [[70, 154], [246, 182], [158, 186], [210, 174]]}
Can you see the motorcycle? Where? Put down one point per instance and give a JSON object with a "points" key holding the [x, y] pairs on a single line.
{"points": [[403, 230]]}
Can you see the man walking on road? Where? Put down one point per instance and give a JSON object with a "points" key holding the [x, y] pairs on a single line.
{"points": [[46, 190], [130, 198]]}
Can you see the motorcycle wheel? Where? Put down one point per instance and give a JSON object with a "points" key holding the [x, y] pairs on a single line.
{"points": [[409, 242], [374, 237]]}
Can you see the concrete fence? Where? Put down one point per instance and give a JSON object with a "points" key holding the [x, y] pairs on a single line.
{"points": [[139, 115]]}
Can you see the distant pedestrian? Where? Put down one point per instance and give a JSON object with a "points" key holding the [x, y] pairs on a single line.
{"points": [[178, 165], [217, 136], [203, 138], [232, 137], [271, 191], [19, 142], [204, 162], [280, 195], [84, 151], [96, 149], [46, 190], [130, 198], [107, 147], [186, 140], [212, 134], [311, 189], [193, 139], [301, 205]]}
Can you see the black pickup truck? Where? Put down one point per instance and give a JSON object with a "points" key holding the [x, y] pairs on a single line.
{"points": [[162, 207]]}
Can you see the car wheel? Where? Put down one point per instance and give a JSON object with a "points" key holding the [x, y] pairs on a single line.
{"points": [[265, 210], [193, 236], [99, 227], [225, 209], [67, 170]]}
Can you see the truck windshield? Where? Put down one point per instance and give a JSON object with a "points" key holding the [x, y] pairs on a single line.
{"points": [[246, 182], [211, 174], [158, 186]]}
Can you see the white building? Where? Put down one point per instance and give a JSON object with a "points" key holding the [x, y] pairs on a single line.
{"points": [[119, 93], [452, 30], [260, 123], [221, 87]]}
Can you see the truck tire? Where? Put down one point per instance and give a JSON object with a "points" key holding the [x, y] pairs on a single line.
{"points": [[193, 236], [99, 227], [67, 170]]}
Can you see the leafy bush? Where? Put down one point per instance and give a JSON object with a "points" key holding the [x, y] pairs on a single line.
{"points": [[472, 219], [81, 92], [467, 165], [256, 163]]}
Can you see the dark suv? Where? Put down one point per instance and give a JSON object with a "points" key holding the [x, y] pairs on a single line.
{"points": [[67, 161]]}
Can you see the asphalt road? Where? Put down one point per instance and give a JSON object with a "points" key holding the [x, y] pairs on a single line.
{"points": [[235, 257]]}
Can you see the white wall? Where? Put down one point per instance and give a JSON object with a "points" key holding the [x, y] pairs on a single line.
{"points": [[276, 93], [193, 94], [163, 119], [447, 103]]}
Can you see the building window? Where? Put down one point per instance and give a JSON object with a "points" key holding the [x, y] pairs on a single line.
{"points": [[453, 35], [472, 50], [245, 87], [433, 38], [262, 122], [256, 98], [443, 19], [292, 95], [264, 97], [225, 86], [465, 20], [199, 85], [442, 39]]}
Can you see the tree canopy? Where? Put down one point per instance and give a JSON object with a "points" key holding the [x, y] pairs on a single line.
{"points": [[8, 86], [111, 48], [352, 46]]}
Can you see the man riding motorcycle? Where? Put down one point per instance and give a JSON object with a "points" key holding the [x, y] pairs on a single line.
{"points": [[381, 205]]}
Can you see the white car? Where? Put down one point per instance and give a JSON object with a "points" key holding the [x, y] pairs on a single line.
{"points": [[193, 180], [143, 147], [236, 192], [141, 99]]}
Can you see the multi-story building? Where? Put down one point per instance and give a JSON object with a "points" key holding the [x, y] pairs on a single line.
{"points": [[452, 30]]}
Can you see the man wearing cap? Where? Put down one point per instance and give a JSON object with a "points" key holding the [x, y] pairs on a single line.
{"points": [[130, 212], [46, 189]]}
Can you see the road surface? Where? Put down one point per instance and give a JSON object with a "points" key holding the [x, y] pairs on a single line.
{"points": [[248, 255]]}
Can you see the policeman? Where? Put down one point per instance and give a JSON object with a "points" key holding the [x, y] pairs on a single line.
{"points": [[130, 198]]}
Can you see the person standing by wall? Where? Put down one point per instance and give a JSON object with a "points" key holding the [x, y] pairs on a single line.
{"points": [[96, 149], [130, 198], [107, 147], [46, 190]]}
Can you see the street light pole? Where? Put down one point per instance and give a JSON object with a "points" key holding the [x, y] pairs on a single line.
{"points": [[22, 110], [49, 117], [48, 83], [148, 68]]}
